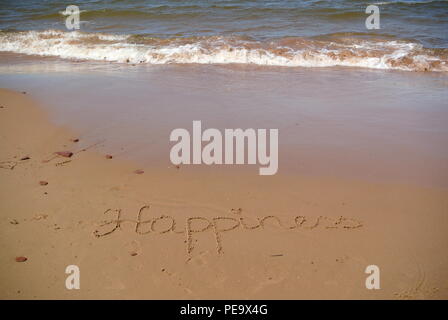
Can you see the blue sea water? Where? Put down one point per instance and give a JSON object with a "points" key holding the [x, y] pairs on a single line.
{"points": [[425, 21], [311, 33]]}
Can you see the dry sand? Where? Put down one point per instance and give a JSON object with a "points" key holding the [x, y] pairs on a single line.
{"points": [[204, 235]]}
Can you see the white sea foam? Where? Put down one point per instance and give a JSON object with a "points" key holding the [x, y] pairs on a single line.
{"points": [[216, 50]]}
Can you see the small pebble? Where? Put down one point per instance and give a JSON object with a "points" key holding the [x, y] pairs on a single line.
{"points": [[66, 154], [21, 259], [43, 183], [108, 156]]}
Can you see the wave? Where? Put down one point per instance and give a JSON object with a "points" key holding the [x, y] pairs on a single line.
{"points": [[346, 50]]}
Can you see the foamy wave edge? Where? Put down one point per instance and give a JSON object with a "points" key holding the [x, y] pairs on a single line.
{"points": [[219, 50]]}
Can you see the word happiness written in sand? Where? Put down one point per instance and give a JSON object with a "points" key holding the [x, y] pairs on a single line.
{"points": [[164, 224]]}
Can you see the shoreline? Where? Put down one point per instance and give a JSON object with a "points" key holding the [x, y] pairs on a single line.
{"points": [[343, 50], [403, 227], [331, 135]]}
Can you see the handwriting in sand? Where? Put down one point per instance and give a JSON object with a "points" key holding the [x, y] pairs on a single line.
{"points": [[164, 224]]}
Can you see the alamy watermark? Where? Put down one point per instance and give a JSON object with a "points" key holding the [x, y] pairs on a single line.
{"points": [[226, 148], [72, 20], [373, 280], [73, 280], [373, 20]]}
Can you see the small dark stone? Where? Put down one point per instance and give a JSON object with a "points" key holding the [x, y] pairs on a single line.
{"points": [[21, 259], [66, 154]]}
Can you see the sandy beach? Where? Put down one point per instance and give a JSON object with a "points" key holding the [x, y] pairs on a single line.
{"points": [[172, 232]]}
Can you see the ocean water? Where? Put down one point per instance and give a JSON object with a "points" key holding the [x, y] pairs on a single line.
{"points": [[413, 35], [347, 101]]}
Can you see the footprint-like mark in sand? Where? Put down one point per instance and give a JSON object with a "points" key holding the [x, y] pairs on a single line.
{"points": [[420, 289], [177, 281], [133, 247], [9, 165]]}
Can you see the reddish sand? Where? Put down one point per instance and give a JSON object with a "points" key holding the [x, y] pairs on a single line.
{"points": [[184, 233]]}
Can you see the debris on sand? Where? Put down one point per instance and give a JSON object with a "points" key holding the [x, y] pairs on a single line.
{"points": [[21, 259], [75, 140], [25, 158], [139, 171], [14, 221], [8, 164], [40, 217], [66, 154], [62, 163], [108, 156], [43, 183], [236, 211]]}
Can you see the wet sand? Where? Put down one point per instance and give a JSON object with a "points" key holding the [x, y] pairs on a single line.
{"points": [[188, 233]]}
